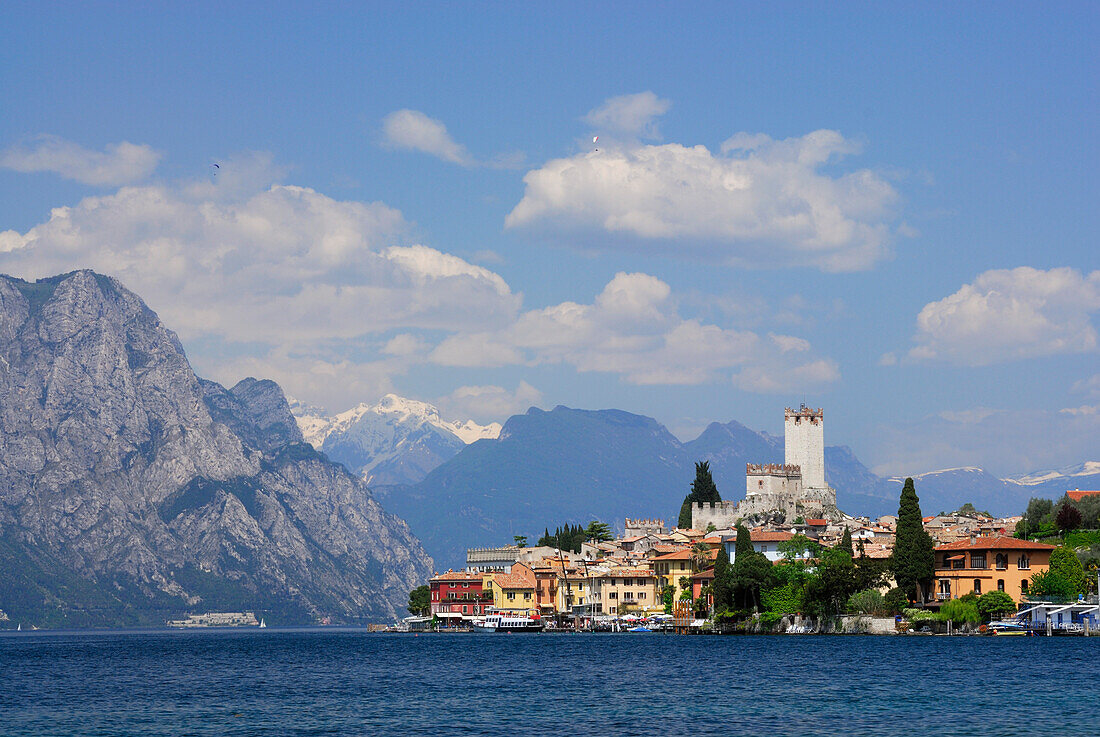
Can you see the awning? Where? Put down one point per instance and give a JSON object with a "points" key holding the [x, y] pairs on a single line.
{"points": [[956, 557], [449, 615]]}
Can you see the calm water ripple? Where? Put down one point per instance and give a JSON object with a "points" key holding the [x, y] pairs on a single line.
{"points": [[333, 682]]}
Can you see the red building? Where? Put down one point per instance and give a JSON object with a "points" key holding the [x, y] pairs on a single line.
{"points": [[457, 593]]}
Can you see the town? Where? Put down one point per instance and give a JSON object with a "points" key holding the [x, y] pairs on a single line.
{"points": [[786, 559]]}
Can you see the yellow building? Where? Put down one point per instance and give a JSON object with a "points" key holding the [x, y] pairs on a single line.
{"points": [[626, 591], [672, 567], [515, 591], [983, 564]]}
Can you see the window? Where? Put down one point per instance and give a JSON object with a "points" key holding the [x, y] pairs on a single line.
{"points": [[1023, 562], [1023, 586], [1000, 584], [527, 596], [1002, 561], [959, 562], [977, 560], [465, 585], [613, 595], [511, 596], [977, 586], [464, 609]]}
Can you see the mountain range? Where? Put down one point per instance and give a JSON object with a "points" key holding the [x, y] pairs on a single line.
{"points": [[567, 465], [132, 491], [396, 441]]}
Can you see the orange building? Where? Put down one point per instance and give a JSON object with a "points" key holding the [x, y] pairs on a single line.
{"points": [[982, 564]]}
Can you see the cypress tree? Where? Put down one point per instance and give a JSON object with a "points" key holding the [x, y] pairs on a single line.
{"points": [[913, 561], [702, 490], [720, 589], [846, 543]]}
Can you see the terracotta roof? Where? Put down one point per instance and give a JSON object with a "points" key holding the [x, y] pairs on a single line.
{"points": [[709, 573], [661, 548], [998, 542], [457, 576], [1079, 494], [685, 555], [763, 536], [817, 522]]}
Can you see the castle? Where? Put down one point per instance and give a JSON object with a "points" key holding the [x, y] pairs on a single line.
{"points": [[777, 492]]}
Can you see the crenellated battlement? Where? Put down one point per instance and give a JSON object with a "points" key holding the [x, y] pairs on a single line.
{"points": [[790, 470], [804, 413]]}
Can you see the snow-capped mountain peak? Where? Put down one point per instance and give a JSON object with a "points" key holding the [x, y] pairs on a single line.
{"points": [[396, 440], [1088, 468]]}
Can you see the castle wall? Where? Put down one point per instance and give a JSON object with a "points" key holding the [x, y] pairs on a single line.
{"points": [[804, 444], [772, 478]]}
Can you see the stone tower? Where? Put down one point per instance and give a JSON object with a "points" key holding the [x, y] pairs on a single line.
{"points": [[804, 444]]}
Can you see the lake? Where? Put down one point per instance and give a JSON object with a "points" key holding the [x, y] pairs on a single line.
{"points": [[349, 682]]}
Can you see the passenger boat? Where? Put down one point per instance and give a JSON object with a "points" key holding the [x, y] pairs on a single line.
{"points": [[499, 622]]}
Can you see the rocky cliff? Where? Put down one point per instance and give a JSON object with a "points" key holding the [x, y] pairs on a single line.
{"points": [[130, 489]]}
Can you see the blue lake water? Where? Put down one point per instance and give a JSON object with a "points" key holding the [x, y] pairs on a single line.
{"points": [[332, 682]]}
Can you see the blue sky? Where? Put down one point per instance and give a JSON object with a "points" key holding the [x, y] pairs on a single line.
{"points": [[892, 214]]}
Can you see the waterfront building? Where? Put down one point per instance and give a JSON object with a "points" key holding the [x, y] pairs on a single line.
{"points": [[458, 594], [763, 541], [515, 591], [671, 568], [620, 591], [994, 563]]}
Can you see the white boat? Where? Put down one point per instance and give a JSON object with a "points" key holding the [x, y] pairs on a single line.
{"points": [[498, 622], [263, 624]]}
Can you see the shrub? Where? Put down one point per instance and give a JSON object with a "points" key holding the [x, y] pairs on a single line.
{"points": [[995, 603], [959, 612], [895, 600], [867, 602]]}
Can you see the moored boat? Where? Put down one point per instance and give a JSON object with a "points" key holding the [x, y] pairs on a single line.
{"points": [[501, 622]]}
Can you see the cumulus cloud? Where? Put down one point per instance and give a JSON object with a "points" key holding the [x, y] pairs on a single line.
{"points": [[633, 329], [632, 115], [488, 403], [758, 202], [412, 129], [1010, 314], [119, 163], [283, 264]]}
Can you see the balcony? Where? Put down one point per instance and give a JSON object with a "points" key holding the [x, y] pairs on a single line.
{"points": [[943, 595]]}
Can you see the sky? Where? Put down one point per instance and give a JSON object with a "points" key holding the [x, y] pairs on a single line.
{"points": [[886, 211]]}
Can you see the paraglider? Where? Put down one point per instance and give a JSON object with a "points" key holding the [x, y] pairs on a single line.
{"points": [[594, 139], [214, 170]]}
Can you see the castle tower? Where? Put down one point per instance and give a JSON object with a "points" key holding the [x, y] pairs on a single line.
{"points": [[804, 444]]}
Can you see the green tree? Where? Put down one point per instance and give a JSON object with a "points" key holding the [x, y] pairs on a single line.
{"points": [[1064, 560], [969, 510], [751, 572], [846, 543], [835, 581], [420, 601], [869, 601], [959, 611], [667, 595], [913, 561], [995, 603], [799, 546], [700, 556], [723, 593], [895, 600], [1051, 584], [702, 490], [598, 531], [520, 541]]}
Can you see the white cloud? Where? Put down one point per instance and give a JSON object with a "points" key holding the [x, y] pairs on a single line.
{"points": [[632, 115], [1089, 386], [119, 163], [413, 129], [759, 202], [488, 403], [1010, 314], [1085, 409], [633, 329], [280, 265]]}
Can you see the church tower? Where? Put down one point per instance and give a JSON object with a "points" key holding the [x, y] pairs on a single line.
{"points": [[804, 444]]}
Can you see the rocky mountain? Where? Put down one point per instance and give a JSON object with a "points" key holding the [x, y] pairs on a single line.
{"points": [[131, 490], [573, 465], [396, 441]]}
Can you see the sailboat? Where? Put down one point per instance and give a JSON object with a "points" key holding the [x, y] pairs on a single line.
{"points": [[19, 627], [263, 624]]}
